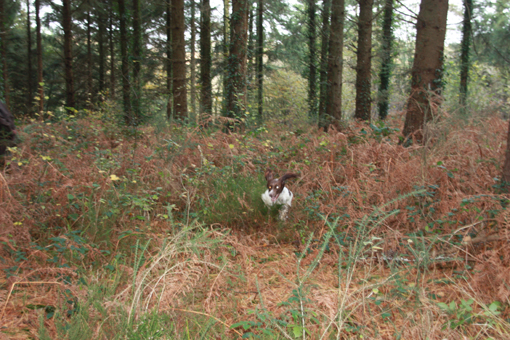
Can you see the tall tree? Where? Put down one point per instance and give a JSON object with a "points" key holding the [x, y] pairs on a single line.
{"points": [[465, 47], [89, 57], [251, 49], [205, 58], [126, 86], [335, 62], [427, 69], [364, 61], [192, 64], [40, 85], [259, 56], [101, 33], [112, 50], [168, 64], [3, 51], [137, 61], [312, 54], [179, 60], [323, 79], [386, 60], [226, 44], [29, 57], [68, 52], [236, 85]]}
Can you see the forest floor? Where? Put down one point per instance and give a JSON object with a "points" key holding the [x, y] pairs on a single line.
{"points": [[160, 233]]}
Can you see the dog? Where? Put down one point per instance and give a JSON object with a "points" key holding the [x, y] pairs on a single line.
{"points": [[277, 193]]}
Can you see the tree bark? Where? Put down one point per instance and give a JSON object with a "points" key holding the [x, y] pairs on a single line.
{"points": [[100, 44], [312, 75], [427, 69], [40, 85], [89, 59], [3, 50], [236, 85], [205, 57], [192, 64], [29, 60], [126, 87], [386, 60], [250, 72], [364, 62], [323, 79], [226, 44], [137, 62], [260, 59], [168, 63], [179, 61], [68, 53], [112, 50], [465, 47], [335, 63]]}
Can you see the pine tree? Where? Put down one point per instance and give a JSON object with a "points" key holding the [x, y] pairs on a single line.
{"points": [[68, 53], [335, 63], [205, 57], [465, 47], [364, 62], [427, 69], [236, 85], [386, 59], [179, 90]]}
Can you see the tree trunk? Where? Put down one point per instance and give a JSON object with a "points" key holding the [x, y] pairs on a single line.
{"points": [[29, 60], [112, 51], [40, 80], [168, 63], [260, 59], [324, 61], [364, 61], [126, 87], [312, 81], [335, 63], [137, 62], [226, 44], [179, 61], [3, 50], [205, 57], [465, 47], [89, 59], [427, 69], [236, 85], [68, 53], [250, 67], [192, 64], [386, 60], [100, 44]]}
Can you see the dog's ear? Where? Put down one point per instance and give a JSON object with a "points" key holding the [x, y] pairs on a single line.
{"points": [[287, 176], [269, 175]]}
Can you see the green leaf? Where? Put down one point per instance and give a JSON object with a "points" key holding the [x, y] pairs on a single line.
{"points": [[297, 330]]}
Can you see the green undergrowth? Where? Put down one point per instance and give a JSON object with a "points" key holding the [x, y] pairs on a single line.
{"points": [[120, 216]]}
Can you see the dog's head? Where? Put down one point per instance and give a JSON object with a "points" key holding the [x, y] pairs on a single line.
{"points": [[275, 185]]}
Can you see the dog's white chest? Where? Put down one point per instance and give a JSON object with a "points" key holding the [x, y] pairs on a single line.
{"points": [[285, 198]]}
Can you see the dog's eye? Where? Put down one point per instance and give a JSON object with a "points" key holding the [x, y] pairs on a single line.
{"points": [[270, 187], [277, 187]]}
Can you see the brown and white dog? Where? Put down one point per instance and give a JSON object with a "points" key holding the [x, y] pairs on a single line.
{"points": [[277, 193]]}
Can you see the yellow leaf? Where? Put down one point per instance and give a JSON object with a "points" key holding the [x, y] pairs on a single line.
{"points": [[114, 178], [231, 146]]}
